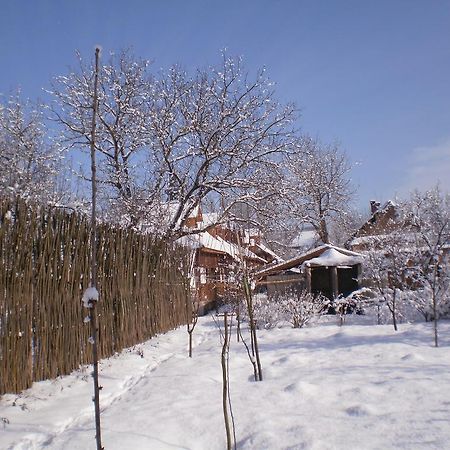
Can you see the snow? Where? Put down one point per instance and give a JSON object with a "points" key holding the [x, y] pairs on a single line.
{"points": [[333, 257], [90, 295], [359, 386], [270, 252], [306, 239], [209, 219]]}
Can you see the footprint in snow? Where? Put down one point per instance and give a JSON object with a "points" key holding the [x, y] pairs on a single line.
{"points": [[411, 357], [357, 411]]}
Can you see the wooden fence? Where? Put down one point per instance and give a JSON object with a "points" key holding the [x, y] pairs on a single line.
{"points": [[44, 269]]}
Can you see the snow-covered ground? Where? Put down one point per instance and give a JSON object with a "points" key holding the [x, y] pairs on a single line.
{"points": [[325, 387]]}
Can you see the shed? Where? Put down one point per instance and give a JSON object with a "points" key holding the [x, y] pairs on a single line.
{"points": [[328, 270]]}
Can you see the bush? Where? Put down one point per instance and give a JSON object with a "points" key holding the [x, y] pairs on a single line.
{"points": [[266, 312], [299, 307]]}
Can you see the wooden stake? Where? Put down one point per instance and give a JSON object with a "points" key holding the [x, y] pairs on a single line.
{"points": [[92, 313]]}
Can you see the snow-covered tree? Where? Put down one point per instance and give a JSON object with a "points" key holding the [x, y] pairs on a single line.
{"points": [[216, 135], [316, 191], [174, 140], [28, 159], [123, 115], [429, 214], [386, 269]]}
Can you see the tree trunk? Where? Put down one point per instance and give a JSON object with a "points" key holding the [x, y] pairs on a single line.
{"points": [[225, 349], [394, 312], [252, 323], [435, 326], [323, 231], [190, 343]]}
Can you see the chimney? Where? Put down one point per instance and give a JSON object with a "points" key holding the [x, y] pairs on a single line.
{"points": [[374, 205]]}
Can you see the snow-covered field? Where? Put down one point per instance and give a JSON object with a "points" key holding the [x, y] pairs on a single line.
{"points": [[325, 387]]}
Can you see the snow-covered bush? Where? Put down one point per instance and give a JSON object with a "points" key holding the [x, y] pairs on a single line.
{"points": [[266, 311], [299, 307], [295, 307], [422, 301], [379, 306]]}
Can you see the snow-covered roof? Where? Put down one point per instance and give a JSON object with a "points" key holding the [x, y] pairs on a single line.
{"points": [[269, 252], [376, 214], [333, 256], [238, 252], [209, 219], [216, 243], [200, 240], [406, 237], [330, 259], [306, 239]]}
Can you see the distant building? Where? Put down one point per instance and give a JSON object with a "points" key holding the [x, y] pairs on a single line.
{"points": [[383, 221]]}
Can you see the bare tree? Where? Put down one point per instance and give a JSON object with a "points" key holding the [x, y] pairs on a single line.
{"points": [[318, 185], [386, 268], [123, 99], [29, 161], [172, 141], [213, 136]]}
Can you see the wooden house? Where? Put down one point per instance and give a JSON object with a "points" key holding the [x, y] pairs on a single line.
{"points": [[218, 253]]}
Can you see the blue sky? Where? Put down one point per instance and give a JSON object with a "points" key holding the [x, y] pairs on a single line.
{"points": [[374, 76]]}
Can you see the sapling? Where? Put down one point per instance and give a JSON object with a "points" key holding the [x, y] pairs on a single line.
{"points": [[252, 325], [386, 270], [225, 337], [192, 323], [226, 382]]}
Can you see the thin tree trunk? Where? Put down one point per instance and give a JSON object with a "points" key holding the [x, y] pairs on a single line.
{"points": [[92, 313], [435, 326], [323, 231], [254, 339], [192, 322], [238, 321], [190, 343], [394, 310], [394, 318], [225, 349]]}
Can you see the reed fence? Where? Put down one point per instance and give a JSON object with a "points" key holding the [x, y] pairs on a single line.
{"points": [[44, 269]]}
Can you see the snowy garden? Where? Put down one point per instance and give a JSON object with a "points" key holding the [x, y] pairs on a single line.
{"points": [[326, 386], [170, 269]]}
